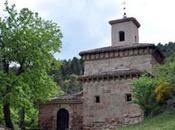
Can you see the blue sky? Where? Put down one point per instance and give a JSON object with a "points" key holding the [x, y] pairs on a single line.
{"points": [[84, 23]]}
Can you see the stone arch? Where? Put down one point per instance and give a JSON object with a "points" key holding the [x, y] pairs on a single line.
{"points": [[54, 115], [63, 119]]}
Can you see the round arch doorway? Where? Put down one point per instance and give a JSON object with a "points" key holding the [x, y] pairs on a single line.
{"points": [[62, 119]]}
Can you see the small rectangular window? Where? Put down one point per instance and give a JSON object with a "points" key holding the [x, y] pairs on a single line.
{"points": [[128, 97], [121, 36], [97, 99], [135, 38]]}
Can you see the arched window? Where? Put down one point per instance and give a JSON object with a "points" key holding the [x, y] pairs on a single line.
{"points": [[121, 36]]}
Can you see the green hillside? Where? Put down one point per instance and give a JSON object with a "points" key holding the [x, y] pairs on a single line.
{"points": [[165, 121]]}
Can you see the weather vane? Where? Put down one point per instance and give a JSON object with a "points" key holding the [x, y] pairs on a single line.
{"points": [[124, 9]]}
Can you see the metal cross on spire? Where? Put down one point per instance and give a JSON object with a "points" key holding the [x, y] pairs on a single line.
{"points": [[124, 9]]}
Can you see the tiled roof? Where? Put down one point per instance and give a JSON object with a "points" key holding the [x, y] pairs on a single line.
{"points": [[72, 96], [112, 74], [67, 99], [125, 20], [117, 48]]}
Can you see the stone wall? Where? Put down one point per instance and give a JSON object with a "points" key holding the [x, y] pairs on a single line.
{"points": [[48, 115], [127, 27], [138, 62], [108, 75], [3, 128], [113, 109]]}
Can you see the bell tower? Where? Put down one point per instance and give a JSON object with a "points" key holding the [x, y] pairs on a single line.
{"points": [[124, 31]]}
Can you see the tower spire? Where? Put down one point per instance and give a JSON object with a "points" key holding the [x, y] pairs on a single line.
{"points": [[124, 9]]}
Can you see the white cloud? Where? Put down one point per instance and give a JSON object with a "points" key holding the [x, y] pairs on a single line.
{"points": [[156, 18], [84, 23]]}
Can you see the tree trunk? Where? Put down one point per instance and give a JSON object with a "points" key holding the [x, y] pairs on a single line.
{"points": [[7, 116], [21, 118]]}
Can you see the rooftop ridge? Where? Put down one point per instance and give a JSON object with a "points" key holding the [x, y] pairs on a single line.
{"points": [[114, 48], [127, 19]]}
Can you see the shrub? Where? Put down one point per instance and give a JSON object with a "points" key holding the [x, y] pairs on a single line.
{"points": [[144, 93], [163, 91]]}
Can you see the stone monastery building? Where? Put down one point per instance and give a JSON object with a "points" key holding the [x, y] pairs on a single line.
{"points": [[105, 101]]}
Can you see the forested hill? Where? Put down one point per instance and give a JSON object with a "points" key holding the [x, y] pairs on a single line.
{"points": [[167, 49], [67, 75]]}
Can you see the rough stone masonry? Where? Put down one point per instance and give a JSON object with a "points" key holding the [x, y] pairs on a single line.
{"points": [[106, 99]]}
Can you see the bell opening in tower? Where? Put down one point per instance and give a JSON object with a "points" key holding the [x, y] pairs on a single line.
{"points": [[121, 36]]}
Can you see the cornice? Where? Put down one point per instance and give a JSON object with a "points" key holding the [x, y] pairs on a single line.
{"points": [[122, 51], [114, 75]]}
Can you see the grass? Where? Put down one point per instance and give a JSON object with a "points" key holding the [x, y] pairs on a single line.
{"points": [[164, 121]]}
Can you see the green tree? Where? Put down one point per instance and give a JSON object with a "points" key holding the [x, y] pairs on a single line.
{"points": [[72, 85], [76, 66], [143, 93], [71, 66], [166, 49], [67, 75], [165, 76], [27, 45], [166, 72]]}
